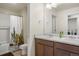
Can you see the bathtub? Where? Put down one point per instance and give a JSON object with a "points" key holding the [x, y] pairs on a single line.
{"points": [[4, 47]]}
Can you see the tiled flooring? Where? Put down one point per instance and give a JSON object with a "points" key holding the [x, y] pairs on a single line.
{"points": [[17, 53]]}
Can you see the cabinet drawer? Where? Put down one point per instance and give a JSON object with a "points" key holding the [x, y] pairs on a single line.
{"points": [[45, 42], [67, 47]]}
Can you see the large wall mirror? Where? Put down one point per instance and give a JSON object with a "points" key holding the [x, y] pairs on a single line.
{"points": [[73, 24]]}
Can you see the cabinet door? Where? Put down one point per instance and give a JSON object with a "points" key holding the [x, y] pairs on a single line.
{"points": [[74, 54], [48, 51], [61, 52], [39, 49]]}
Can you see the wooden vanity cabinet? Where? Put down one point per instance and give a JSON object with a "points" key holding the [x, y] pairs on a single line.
{"points": [[61, 49], [50, 48], [43, 47]]}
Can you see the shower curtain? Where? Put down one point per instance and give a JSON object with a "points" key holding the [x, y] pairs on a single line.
{"points": [[15, 26]]}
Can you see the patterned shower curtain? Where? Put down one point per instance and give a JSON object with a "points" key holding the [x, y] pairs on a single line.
{"points": [[16, 31]]}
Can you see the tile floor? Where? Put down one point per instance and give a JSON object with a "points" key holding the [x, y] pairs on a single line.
{"points": [[18, 53]]}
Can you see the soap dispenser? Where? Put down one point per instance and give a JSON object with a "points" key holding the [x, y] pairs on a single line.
{"points": [[60, 34]]}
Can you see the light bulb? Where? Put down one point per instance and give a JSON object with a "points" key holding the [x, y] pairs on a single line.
{"points": [[48, 6]]}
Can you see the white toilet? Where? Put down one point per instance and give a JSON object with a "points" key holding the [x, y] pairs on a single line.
{"points": [[23, 47]]}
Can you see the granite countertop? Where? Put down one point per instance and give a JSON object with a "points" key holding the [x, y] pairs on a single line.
{"points": [[58, 39]]}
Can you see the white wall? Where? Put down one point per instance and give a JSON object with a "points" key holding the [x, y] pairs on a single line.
{"points": [[4, 20], [62, 19], [4, 27], [4, 35], [25, 24], [36, 18], [36, 25]]}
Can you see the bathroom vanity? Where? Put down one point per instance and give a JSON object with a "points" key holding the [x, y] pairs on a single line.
{"points": [[55, 46]]}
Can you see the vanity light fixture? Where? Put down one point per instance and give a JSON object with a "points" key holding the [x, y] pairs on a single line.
{"points": [[50, 5]]}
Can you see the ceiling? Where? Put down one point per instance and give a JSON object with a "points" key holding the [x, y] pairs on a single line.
{"points": [[18, 7], [64, 6], [15, 7]]}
